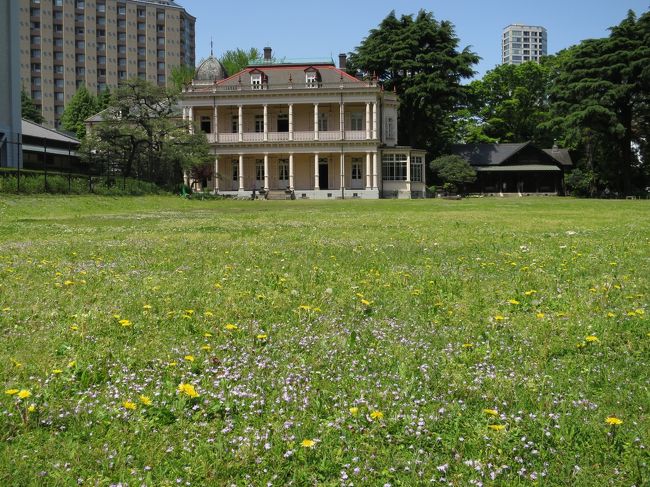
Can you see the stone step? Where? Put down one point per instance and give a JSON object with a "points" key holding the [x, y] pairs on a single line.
{"points": [[278, 195]]}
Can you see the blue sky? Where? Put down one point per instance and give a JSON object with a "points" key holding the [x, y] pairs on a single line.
{"points": [[317, 29]]}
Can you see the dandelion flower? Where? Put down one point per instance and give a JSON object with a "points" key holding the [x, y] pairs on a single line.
{"points": [[377, 415], [146, 400], [365, 302], [72, 363], [125, 323], [189, 358], [468, 345], [592, 339], [262, 336], [24, 394], [491, 412], [499, 318], [513, 301], [146, 306], [308, 443], [354, 411], [57, 371], [540, 315], [231, 327], [11, 392], [129, 405], [188, 390], [207, 348], [207, 335], [496, 427], [31, 408], [613, 421]]}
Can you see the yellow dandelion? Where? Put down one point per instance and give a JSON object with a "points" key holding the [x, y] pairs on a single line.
{"points": [[207, 335], [189, 358], [499, 318], [208, 313], [188, 390], [308, 443], [206, 348], [592, 339], [231, 327], [639, 311], [125, 323], [146, 307], [306, 307], [496, 427], [540, 315], [468, 345], [74, 328], [146, 400], [491, 412], [57, 371], [365, 302], [24, 394], [610, 315], [613, 421], [72, 363], [354, 411], [129, 405], [31, 408], [531, 292], [377, 415], [262, 336], [189, 311], [513, 301], [68, 283], [11, 392]]}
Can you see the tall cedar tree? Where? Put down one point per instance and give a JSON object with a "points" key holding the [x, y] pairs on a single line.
{"points": [[419, 59], [81, 106], [142, 135], [600, 100], [511, 101]]}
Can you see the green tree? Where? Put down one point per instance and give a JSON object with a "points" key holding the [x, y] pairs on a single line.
{"points": [[235, 60], [600, 101], [511, 101], [81, 106], [418, 57], [142, 135], [454, 171], [29, 109], [182, 76], [104, 99]]}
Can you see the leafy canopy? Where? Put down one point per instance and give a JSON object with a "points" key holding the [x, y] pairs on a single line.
{"points": [[453, 171], [29, 109], [236, 60], [81, 106]]}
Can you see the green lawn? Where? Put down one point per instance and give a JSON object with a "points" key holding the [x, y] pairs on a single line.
{"points": [[161, 341]]}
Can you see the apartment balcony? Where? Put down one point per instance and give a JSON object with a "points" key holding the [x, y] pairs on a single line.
{"points": [[298, 136]]}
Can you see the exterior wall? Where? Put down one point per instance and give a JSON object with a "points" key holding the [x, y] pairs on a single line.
{"points": [[67, 32], [522, 43], [10, 122]]}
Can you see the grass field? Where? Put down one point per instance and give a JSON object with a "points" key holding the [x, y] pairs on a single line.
{"points": [[160, 341]]}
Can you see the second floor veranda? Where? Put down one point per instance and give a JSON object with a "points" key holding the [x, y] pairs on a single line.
{"points": [[287, 122]]}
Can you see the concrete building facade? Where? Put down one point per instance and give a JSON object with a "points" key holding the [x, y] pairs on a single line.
{"points": [[10, 124], [65, 44], [522, 43]]}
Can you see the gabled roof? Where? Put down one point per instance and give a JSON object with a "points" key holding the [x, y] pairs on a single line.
{"points": [[560, 155]]}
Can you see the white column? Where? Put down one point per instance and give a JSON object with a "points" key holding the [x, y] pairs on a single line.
{"points": [[291, 121], [342, 168], [216, 174], [291, 170], [368, 120], [184, 113], [342, 119], [266, 123], [191, 115], [374, 170], [315, 121], [368, 170], [240, 123], [266, 172], [408, 171], [316, 182], [215, 122], [374, 120], [241, 172]]}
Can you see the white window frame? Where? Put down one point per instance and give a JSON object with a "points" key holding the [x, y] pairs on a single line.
{"points": [[256, 81], [259, 170], [259, 124], [356, 121], [311, 79], [323, 122]]}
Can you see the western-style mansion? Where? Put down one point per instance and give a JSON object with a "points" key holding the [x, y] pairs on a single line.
{"points": [[305, 129]]}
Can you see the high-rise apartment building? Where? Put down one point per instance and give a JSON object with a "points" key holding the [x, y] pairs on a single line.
{"points": [[65, 44], [522, 43], [10, 125]]}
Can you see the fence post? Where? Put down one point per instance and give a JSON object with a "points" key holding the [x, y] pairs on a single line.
{"points": [[45, 161]]}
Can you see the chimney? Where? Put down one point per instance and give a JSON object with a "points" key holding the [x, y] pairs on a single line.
{"points": [[267, 54], [343, 61]]}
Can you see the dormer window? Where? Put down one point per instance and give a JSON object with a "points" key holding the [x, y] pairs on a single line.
{"points": [[256, 81], [312, 77]]}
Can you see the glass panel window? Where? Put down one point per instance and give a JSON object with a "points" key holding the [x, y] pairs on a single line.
{"points": [[323, 122], [141, 25], [417, 168], [101, 7], [283, 169], [259, 123], [36, 53], [80, 4], [121, 9], [235, 124], [357, 165], [58, 96], [310, 79], [259, 170], [235, 170], [393, 167], [256, 81], [36, 67], [36, 40], [356, 121], [206, 123], [101, 59]]}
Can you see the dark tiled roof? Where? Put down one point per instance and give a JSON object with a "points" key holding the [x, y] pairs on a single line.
{"points": [[560, 155], [487, 154]]}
